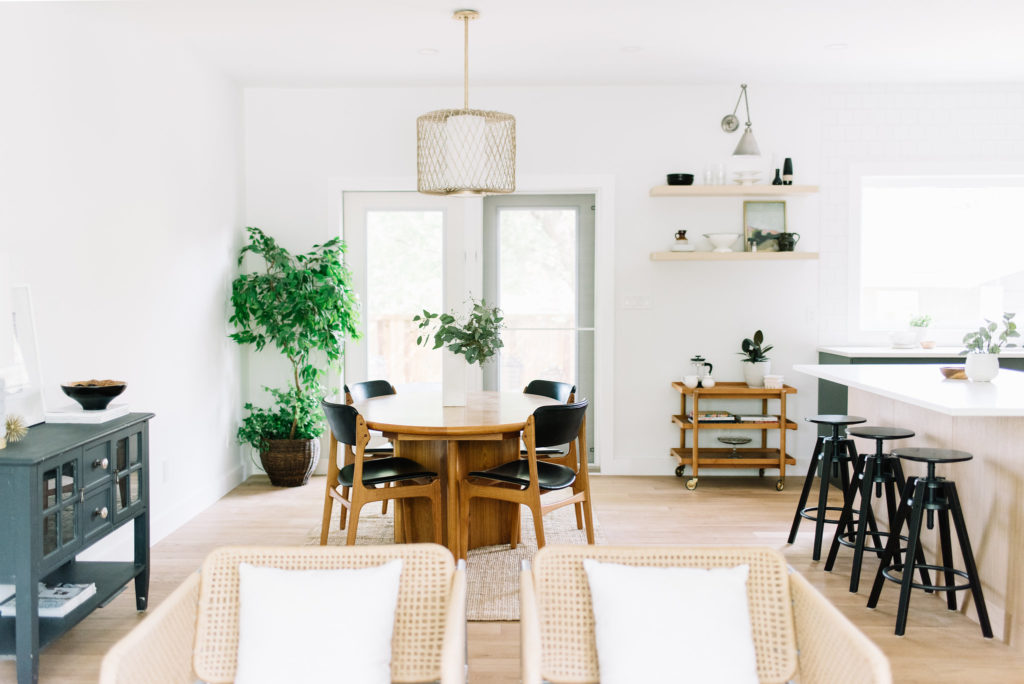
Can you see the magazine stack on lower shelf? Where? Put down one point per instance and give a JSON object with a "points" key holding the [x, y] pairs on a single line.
{"points": [[55, 600]]}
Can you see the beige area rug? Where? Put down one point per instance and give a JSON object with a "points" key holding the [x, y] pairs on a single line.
{"points": [[492, 572]]}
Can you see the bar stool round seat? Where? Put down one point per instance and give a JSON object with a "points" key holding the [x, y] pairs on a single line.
{"points": [[883, 473], [879, 432], [835, 453], [930, 455], [835, 420], [936, 495]]}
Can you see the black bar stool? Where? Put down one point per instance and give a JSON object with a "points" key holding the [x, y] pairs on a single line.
{"points": [[930, 494], [834, 452], [885, 472]]}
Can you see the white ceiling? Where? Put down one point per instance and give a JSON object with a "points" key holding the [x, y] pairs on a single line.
{"points": [[592, 42]]}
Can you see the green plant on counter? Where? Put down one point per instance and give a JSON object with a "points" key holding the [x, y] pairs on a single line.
{"points": [[991, 337], [753, 350], [304, 306], [476, 336], [922, 321]]}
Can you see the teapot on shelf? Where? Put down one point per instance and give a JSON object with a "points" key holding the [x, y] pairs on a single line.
{"points": [[700, 375], [787, 241]]}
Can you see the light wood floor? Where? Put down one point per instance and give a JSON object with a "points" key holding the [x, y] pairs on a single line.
{"points": [[940, 646]]}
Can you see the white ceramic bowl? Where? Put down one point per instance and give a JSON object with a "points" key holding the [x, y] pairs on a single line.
{"points": [[721, 241]]}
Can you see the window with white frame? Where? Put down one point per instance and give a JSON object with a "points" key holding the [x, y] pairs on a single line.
{"points": [[949, 246]]}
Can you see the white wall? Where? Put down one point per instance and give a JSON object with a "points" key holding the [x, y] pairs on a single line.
{"points": [[296, 140], [120, 204]]}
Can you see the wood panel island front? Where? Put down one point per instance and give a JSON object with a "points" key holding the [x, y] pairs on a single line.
{"points": [[985, 419]]}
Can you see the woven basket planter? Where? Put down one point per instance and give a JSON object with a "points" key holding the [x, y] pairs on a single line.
{"points": [[289, 462]]}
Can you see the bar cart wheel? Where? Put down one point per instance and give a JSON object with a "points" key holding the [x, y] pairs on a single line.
{"points": [[691, 484], [680, 470], [780, 485]]}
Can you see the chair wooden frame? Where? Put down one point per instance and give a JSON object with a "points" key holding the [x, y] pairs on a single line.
{"points": [[378, 454], [567, 459], [360, 494], [530, 496]]}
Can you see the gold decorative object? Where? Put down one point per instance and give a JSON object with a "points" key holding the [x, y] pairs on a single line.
{"points": [[15, 428], [466, 151]]}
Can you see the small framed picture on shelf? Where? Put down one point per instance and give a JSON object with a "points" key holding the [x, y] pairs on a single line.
{"points": [[762, 223]]}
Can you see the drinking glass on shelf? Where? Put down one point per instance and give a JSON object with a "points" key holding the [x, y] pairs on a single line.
{"points": [[719, 174], [709, 174]]}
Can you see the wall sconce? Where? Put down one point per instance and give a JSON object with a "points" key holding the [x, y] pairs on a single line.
{"points": [[747, 146]]}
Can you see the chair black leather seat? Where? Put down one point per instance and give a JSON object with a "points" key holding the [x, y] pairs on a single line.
{"points": [[559, 391], [383, 470], [550, 476]]}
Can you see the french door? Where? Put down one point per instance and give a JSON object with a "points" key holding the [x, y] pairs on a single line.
{"points": [[531, 255], [538, 266]]}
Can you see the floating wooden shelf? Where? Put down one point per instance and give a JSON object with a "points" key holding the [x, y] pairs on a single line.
{"points": [[731, 256], [757, 190]]}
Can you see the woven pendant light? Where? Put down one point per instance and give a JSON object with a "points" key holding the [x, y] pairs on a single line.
{"points": [[466, 151]]}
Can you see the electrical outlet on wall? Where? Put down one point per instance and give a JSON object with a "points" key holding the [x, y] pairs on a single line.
{"points": [[636, 302]]}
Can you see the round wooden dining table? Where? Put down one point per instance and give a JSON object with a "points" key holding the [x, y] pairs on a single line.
{"points": [[453, 441]]}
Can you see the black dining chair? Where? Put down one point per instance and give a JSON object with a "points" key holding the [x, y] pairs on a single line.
{"points": [[364, 476], [360, 391], [531, 477], [566, 393]]}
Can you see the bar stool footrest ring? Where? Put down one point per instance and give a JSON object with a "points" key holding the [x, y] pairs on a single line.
{"points": [[886, 572], [804, 513]]}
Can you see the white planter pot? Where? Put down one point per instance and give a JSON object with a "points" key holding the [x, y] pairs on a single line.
{"points": [[754, 373], [982, 367], [454, 379]]}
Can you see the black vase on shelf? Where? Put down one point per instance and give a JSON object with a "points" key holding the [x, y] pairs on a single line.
{"points": [[787, 172], [778, 178]]}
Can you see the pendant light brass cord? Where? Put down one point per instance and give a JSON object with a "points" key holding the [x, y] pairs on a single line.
{"points": [[465, 23]]}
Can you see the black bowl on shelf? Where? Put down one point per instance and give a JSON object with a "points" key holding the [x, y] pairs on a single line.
{"points": [[680, 178], [93, 395]]}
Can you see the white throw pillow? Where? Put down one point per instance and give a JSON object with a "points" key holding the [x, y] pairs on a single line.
{"points": [[661, 625], [314, 626]]}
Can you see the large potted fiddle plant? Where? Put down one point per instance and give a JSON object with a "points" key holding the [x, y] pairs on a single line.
{"points": [[303, 306]]}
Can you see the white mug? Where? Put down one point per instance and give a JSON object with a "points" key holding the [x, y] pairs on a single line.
{"points": [[690, 381], [707, 381]]}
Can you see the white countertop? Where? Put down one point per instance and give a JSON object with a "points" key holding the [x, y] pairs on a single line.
{"points": [[922, 385], [916, 353]]}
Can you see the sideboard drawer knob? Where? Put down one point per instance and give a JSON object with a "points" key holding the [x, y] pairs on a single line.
{"points": [[101, 512], [101, 463]]}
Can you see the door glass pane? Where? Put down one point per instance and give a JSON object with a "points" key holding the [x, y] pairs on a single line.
{"points": [[537, 355], [537, 265], [67, 480], [49, 534], [537, 292], [404, 275], [50, 488], [133, 486], [67, 525], [122, 454]]}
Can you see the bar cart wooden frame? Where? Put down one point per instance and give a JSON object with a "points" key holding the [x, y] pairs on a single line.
{"points": [[762, 457]]}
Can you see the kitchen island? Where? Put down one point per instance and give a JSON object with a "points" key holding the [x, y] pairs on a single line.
{"points": [[985, 419]]}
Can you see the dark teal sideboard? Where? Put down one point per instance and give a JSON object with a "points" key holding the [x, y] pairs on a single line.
{"points": [[62, 489]]}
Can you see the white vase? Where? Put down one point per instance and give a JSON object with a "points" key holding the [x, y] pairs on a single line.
{"points": [[754, 373], [454, 379], [982, 367]]}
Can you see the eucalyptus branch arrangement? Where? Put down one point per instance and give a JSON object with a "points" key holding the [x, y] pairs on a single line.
{"points": [[753, 350], [303, 306], [922, 321], [991, 337], [476, 336]]}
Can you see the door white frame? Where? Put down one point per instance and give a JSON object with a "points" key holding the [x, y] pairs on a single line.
{"points": [[603, 189]]}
